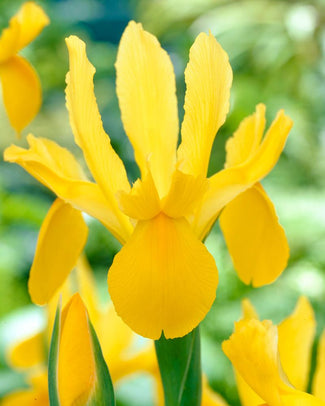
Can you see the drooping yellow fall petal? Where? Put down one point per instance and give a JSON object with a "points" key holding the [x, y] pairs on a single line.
{"points": [[230, 182], [208, 77], [185, 194], [146, 91], [143, 201], [32, 19], [256, 241], [76, 364], [21, 90], [29, 352], [163, 279], [105, 165], [61, 239], [246, 139], [56, 168], [319, 377], [253, 351], [296, 336]]}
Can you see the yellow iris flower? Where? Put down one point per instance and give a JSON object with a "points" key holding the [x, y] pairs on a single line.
{"points": [[21, 88], [164, 279], [272, 363], [116, 339]]}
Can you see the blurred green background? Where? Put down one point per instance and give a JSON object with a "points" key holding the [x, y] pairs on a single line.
{"points": [[277, 52]]}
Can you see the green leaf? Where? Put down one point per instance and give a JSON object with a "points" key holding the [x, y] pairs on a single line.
{"points": [[180, 368], [53, 356], [103, 392]]}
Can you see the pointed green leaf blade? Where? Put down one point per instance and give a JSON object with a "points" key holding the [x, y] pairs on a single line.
{"points": [[53, 356], [104, 391]]}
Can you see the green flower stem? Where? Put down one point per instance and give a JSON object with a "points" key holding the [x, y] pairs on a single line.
{"points": [[179, 362]]}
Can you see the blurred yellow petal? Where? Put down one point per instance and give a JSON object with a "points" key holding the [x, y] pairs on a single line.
{"points": [[140, 362], [246, 140], [319, 377], [105, 165], [296, 337], [208, 77], [248, 310], [209, 397], [61, 239], [163, 279], [185, 194], [21, 90], [76, 364], [37, 395], [113, 344], [230, 182], [146, 91], [256, 241], [143, 201], [56, 168], [32, 19], [253, 351], [28, 353], [27, 397], [9, 40], [87, 288]]}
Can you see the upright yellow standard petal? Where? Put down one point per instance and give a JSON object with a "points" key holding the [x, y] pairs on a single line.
{"points": [[185, 194], [28, 353], [296, 336], [255, 239], [76, 364], [32, 19], [61, 239], [56, 168], [319, 377], [105, 165], [146, 92], [163, 279], [246, 140], [21, 91], [143, 201], [230, 182], [208, 77]]}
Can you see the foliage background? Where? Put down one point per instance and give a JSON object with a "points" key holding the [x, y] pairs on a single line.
{"points": [[277, 52]]}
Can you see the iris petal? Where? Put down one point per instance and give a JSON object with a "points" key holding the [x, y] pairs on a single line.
{"points": [[147, 96], [163, 279], [208, 77], [256, 241]]}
